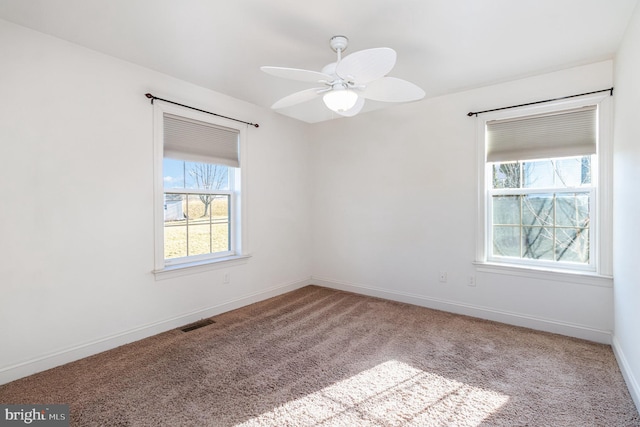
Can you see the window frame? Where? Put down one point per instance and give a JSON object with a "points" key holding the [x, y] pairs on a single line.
{"points": [[601, 227], [238, 254]]}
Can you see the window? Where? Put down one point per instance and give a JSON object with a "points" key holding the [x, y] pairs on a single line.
{"points": [[199, 219], [540, 210], [544, 187]]}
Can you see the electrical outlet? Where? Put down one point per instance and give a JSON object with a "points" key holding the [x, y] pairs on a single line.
{"points": [[472, 280], [226, 278], [443, 276]]}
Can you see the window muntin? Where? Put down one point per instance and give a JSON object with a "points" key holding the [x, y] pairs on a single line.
{"points": [[540, 212]]}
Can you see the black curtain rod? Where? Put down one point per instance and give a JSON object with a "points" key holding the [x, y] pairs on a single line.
{"points": [[153, 98], [610, 90]]}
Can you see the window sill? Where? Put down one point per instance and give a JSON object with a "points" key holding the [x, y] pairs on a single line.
{"points": [[178, 270], [578, 277]]}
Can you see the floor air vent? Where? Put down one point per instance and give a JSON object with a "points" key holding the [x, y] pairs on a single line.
{"points": [[199, 324]]}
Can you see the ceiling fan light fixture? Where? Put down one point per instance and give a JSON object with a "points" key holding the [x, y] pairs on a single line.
{"points": [[340, 99], [346, 83]]}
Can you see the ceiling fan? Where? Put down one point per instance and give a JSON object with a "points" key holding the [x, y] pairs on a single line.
{"points": [[346, 83]]}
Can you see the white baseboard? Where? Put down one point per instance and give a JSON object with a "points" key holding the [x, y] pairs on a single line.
{"points": [[51, 360], [532, 322], [630, 379]]}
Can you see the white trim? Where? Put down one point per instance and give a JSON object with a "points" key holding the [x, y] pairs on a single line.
{"points": [[516, 319], [158, 185], [605, 188], [240, 215], [570, 276], [51, 360], [183, 269], [632, 383]]}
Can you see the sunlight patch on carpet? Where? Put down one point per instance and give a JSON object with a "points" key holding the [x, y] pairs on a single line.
{"points": [[391, 393]]}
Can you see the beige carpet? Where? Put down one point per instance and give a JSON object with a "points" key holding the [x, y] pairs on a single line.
{"points": [[320, 357]]}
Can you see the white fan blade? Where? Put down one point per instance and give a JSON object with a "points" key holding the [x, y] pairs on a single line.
{"points": [[353, 110], [367, 65], [297, 98], [391, 89], [297, 74]]}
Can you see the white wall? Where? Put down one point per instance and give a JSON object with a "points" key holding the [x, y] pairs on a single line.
{"points": [[76, 217], [394, 204], [627, 207]]}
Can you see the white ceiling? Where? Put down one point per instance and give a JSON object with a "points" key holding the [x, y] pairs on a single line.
{"points": [[443, 46]]}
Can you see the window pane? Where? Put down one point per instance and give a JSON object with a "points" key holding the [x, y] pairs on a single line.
{"points": [[573, 171], [572, 245], [198, 210], [173, 173], [506, 241], [220, 207], [193, 175], [175, 240], [220, 237], [586, 170], [206, 176], [572, 210], [199, 237], [537, 209], [175, 226], [537, 174], [506, 210], [506, 175], [220, 228], [198, 206], [569, 172], [537, 243]]}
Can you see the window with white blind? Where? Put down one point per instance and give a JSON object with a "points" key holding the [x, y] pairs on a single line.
{"points": [[544, 187], [198, 188]]}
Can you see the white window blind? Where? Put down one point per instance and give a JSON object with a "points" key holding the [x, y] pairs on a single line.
{"points": [[561, 134], [196, 141]]}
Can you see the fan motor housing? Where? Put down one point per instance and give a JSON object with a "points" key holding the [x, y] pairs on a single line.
{"points": [[338, 43]]}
